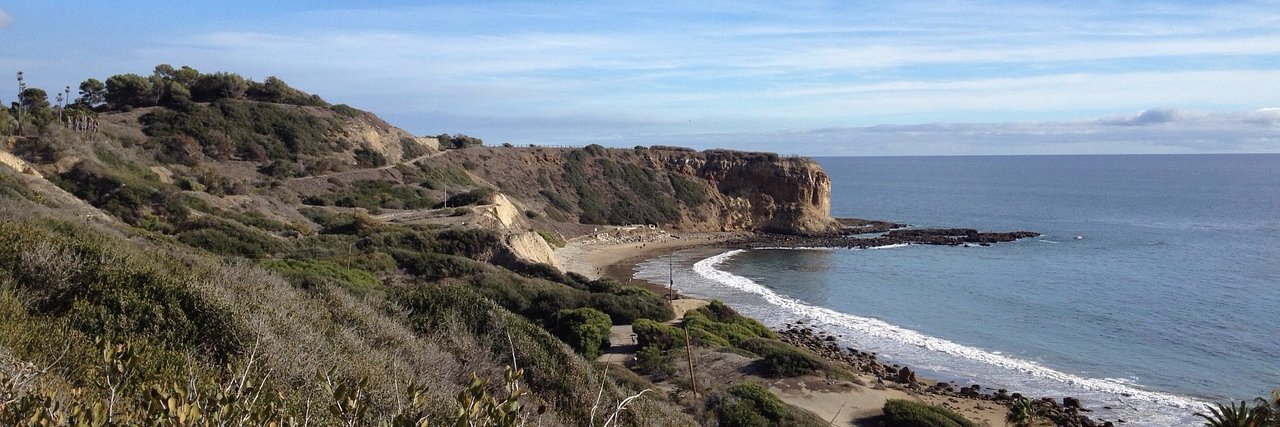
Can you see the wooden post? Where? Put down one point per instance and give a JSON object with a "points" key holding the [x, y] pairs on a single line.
{"points": [[693, 380]]}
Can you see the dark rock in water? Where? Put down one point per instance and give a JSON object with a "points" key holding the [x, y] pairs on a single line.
{"points": [[1071, 402], [830, 338], [920, 236]]}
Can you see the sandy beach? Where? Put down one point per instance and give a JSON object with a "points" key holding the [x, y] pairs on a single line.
{"points": [[844, 402]]}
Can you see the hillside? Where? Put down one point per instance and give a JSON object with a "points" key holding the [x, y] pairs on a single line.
{"points": [[259, 255], [666, 186]]}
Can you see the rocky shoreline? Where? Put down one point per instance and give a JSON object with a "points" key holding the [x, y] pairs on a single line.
{"points": [[1064, 413], [861, 234]]}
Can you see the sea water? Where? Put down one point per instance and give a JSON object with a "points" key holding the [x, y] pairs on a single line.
{"points": [[1154, 289]]}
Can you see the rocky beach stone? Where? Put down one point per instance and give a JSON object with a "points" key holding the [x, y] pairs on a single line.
{"points": [[1065, 414]]}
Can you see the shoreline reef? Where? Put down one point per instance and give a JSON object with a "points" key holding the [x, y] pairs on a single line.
{"points": [[603, 256]]}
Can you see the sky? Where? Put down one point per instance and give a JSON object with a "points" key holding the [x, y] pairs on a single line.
{"points": [[810, 78]]}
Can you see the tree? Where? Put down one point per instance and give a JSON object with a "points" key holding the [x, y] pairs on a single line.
{"points": [[34, 98], [168, 92], [22, 87], [35, 102], [92, 93], [220, 85], [185, 76], [6, 121], [1236, 416], [270, 90], [128, 90]]}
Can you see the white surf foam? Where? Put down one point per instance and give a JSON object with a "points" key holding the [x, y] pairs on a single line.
{"points": [[895, 245], [1121, 390]]}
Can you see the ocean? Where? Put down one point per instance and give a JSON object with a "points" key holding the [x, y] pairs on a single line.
{"points": [[1154, 288]]}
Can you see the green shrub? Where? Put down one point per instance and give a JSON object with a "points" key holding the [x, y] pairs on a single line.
{"points": [[375, 194], [434, 266], [11, 186], [782, 360], [346, 111], [560, 377], [763, 400], [478, 196], [367, 158], [584, 329], [458, 141], [629, 308], [228, 238], [689, 190], [253, 131], [70, 271], [310, 272], [660, 335], [740, 413], [905, 413], [720, 320], [439, 178], [410, 148], [552, 238], [655, 361]]}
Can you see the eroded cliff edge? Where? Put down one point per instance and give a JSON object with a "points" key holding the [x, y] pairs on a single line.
{"points": [[714, 190]]}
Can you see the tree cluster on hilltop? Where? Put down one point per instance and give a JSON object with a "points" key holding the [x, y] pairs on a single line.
{"points": [[167, 86]]}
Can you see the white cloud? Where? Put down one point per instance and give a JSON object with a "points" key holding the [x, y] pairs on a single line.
{"points": [[758, 68], [1152, 131], [5, 19]]}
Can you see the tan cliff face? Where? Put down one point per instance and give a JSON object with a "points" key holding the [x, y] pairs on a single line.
{"points": [[760, 191], [738, 191]]}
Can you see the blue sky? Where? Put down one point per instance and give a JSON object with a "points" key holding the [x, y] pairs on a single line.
{"points": [[813, 78]]}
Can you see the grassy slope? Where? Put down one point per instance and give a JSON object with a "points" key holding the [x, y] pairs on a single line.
{"points": [[215, 267]]}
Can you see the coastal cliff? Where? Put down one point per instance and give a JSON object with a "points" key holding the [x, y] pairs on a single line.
{"points": [[715, 190]]}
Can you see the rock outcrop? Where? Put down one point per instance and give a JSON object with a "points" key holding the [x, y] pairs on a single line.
{"points": [[527, 248], [760, 191], [715, 190]]}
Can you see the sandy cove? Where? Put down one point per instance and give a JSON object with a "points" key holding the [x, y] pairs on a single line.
{"points": [[845, 402]]}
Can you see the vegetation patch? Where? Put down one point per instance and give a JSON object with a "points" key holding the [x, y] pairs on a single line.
{"points": [[689, 190], [374, 195], [584, 329], [552, 238], [906, 413], [226, 237], [782, 360], [314, 273], [257, 132], [477, 196]]}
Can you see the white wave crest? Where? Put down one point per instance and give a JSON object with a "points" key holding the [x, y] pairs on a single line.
{"points": [[895, 245], [881, 329]]}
